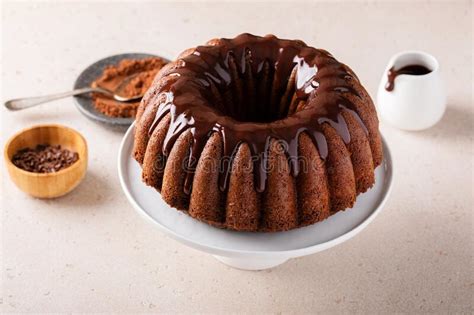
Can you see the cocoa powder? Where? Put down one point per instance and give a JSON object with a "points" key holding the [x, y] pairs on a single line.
{"points": [[133, 76]]}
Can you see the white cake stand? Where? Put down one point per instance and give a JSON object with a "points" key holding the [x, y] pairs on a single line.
{"points": [[251, 251]]}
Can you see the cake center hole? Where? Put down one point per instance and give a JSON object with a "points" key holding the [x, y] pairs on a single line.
{"points": [[256, 97]]}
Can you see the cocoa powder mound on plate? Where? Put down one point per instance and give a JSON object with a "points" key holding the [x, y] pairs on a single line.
{"points": [[132, 77]]}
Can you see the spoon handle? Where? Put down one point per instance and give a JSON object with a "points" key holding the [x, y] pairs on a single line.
{"points": [[22, 103]]}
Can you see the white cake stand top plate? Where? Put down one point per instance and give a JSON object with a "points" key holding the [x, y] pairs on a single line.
{"points": [[247, 245]]}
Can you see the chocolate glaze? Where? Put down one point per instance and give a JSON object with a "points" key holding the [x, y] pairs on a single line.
{"points": [[246, 89], [410, 70]]}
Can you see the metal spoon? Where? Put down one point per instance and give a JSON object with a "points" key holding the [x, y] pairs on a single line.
{"points": [[22, 103]]}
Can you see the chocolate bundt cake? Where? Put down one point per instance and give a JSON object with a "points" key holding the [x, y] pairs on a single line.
{"points": [[257, 134]]}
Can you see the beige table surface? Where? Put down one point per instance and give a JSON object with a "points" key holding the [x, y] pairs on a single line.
{"points": [[91, 252]]}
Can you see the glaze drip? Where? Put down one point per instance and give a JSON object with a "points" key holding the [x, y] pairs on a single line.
{"points": [[253, 89]]}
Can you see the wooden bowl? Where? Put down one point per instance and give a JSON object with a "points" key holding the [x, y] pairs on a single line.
{"points": [[47, 185]]}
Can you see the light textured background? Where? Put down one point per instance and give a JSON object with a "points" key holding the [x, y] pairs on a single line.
{"points": [[91, 252]]}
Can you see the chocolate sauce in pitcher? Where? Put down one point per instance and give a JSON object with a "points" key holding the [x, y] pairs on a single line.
{"points": [[409, 69]]}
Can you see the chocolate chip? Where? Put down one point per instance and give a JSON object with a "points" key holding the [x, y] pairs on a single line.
{"points": [[44, 158]]}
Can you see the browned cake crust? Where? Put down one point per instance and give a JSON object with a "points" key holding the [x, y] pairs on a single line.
{"points": [[257, 134]]}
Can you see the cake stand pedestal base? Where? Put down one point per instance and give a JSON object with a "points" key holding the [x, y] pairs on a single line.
{"points": [[251, 263]]}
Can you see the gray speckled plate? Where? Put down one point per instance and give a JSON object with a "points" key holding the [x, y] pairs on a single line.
{"points": [[84, 102]]}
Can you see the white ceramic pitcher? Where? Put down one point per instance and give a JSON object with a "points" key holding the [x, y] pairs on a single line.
{"points": [[417, 101]]}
